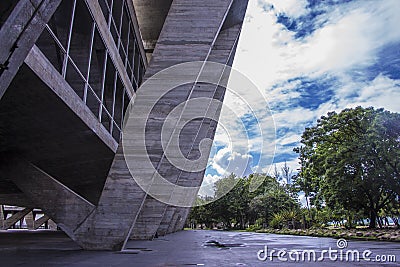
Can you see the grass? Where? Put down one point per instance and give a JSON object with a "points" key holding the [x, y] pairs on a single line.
{"points": [[358, 233]]}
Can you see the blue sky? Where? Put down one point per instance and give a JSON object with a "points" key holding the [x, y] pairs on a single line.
{"points": [[308, 57]]}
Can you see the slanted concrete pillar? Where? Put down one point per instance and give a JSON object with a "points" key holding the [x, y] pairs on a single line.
{"points": [[195, 43], [223, 52], [59, 202], [166, 220], [180, 224], [51, 225], [15, 218], [108, 226], [190, 33], [39, 222]]}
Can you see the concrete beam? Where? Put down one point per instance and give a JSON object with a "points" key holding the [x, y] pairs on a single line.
{"points": [[42, 67], [16, 199], [112, 49], [151, 15], [15, 218], [39, 222], [19, 33], [56, 200]]}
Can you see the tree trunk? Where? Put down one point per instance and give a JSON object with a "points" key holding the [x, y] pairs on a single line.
{"points": [[372, 217]]}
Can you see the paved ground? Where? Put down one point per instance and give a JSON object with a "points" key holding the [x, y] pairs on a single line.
{"points": [[186, 248]]}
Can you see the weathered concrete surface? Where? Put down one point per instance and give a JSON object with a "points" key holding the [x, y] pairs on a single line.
{"points": [[122, 199], [96, 205], [15, 218], [39, 222], [109, 225], [223, 52], [19, 33], [151, 16], [30, 221], [33, 120], [185, 248], [63, 205], [221, 49], [16, 199]]}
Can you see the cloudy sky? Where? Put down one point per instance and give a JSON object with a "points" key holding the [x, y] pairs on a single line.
{"points": [[307, 57]]}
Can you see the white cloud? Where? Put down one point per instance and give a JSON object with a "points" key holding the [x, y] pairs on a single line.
{"points": [[225, 162], [292, 8], [381, 92], [270, 55], [288, 139], [207, 187]]}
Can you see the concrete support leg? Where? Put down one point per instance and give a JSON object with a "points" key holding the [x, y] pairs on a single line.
{"points": [[30, 221], [180, 224], [108, 227], [196, 40], [2, 218], [223, 52], [15, 218], [166, 220], [174, 220], [124, 208], [51, 225], [60, 203], [39, 222]]}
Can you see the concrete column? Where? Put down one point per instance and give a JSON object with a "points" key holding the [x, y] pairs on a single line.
{"points": [[108, 226], [222, 52], [39, 222], [180, 215], [166, 220], [15, 218], [179, 42], [30, 221], [59, 202], [51, 225], [2, 219]]}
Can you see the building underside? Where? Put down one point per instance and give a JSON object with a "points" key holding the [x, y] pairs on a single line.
{"points": [[68, 71]]}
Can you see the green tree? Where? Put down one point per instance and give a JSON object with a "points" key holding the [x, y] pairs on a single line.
{"points": [[350, 160], [271, 199], [232, 207]]}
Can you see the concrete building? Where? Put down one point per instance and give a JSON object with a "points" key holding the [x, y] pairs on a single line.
{"points": [[68, 71]]}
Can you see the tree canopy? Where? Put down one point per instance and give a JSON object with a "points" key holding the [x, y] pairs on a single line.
{"points": [[351, 159]]}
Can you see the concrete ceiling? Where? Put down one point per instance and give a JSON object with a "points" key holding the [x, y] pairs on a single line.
{"points": [[151, 15]]}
